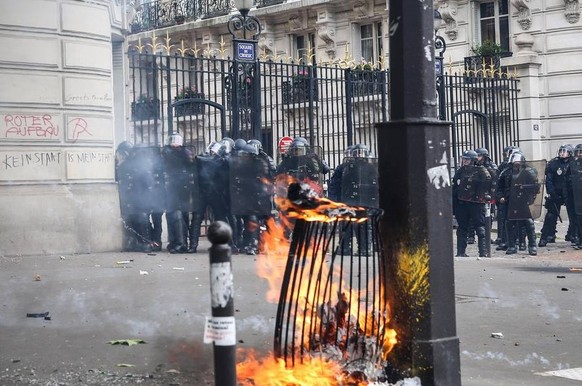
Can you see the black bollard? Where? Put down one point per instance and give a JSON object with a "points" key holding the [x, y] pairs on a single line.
{"points": [[221, 291]]}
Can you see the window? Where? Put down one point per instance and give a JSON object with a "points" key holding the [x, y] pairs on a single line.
{"points": [[494, 22], [371, 49], [305, 46]]}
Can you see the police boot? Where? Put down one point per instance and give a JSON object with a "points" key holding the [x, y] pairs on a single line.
{"points": [[530, 230], [461, 247], [481, 241], [511, 228], [543, 242], [522, 236]]}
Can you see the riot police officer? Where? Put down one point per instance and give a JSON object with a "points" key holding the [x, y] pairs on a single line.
{"points": [[518, 188], [357, 186], [471, 190], [134, 178], [556, 188], [483, 159], [179, 181], [574, 192], [213, 178], [301, 162], [251, 194]]}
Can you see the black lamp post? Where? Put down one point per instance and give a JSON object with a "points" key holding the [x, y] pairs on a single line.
{"points": [[245, 97], [416, 228], [440, 47]]}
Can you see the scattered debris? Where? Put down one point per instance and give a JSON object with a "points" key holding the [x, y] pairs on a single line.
{"points": [[497, 335], [565, 289], [127, 342], [15, 360], [37, 277], [143, 272], [124, 365], [575, 269], [173, 371], [561, 277], [178, 268], [61, 257], [125, 262], [39, 315]]}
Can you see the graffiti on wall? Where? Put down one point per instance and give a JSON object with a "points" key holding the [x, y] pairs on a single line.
{"points": [[32, 126]]}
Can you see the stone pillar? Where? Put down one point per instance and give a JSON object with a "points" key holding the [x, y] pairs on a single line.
{"points": [[532, 133]]}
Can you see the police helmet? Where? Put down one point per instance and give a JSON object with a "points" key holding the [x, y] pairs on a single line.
{"points": [[301, 140], [256, 143], [175, 140], [249, 149], [469, 155], [482, 152], [578, 150], [124, 147], [228, 144], [517, 157], [297, 148], [360, 151], [565, 151], [348, 151], [239, 144]]}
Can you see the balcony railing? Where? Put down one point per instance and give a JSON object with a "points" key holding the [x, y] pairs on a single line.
{"points": [[159, 14]]}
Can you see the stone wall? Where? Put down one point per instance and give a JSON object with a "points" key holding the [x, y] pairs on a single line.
{"points": [[57, 188]]}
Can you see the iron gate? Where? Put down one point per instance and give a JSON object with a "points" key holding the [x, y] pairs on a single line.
{"points": [[332, 106]]}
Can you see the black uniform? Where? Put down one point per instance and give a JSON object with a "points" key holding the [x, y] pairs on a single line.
{"points": [[556, 171], [471, 191], [178, 178]]}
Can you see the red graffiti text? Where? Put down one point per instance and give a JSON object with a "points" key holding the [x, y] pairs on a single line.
{"points": [[30, 126]]}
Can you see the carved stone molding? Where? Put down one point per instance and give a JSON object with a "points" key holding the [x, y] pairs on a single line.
{"points": [[362, 9], [572, 11], [327, 33], [449, 15], [325, 26], [266, 43], [297, 22], [523, 13]]}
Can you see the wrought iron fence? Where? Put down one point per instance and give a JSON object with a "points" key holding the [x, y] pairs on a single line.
{"points": [[484, 112], [327, 105], [331, 106]]}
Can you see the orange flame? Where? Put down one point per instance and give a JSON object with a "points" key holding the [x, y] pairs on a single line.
{"points": [[273, 372]]}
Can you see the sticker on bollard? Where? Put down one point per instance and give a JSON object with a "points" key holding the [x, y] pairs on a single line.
{"points": [[221, 284], [220, 330]]}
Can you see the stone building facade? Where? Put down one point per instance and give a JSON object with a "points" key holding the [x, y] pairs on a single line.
{"points": [[61, 101]]}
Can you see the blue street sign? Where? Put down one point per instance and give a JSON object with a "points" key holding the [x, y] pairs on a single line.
{"points": [[245, 51]]}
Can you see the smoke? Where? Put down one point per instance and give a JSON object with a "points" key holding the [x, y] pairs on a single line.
{"points": [[256, 323], [538, 299], [529, 360]]}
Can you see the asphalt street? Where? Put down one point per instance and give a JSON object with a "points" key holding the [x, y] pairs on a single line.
{"points": [[519, 318]]}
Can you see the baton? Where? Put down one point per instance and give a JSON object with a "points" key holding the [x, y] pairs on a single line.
{"points": [[557, 211]]}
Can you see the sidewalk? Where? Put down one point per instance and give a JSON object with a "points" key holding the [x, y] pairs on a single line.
{"points": [[91, 299]]}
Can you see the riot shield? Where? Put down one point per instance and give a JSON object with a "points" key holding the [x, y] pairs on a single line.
{"points": [[474, 184], [251, 190], [526, 191], [359, 184], [152, 192], [576, 180], [181, 180], [126, 185]]}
